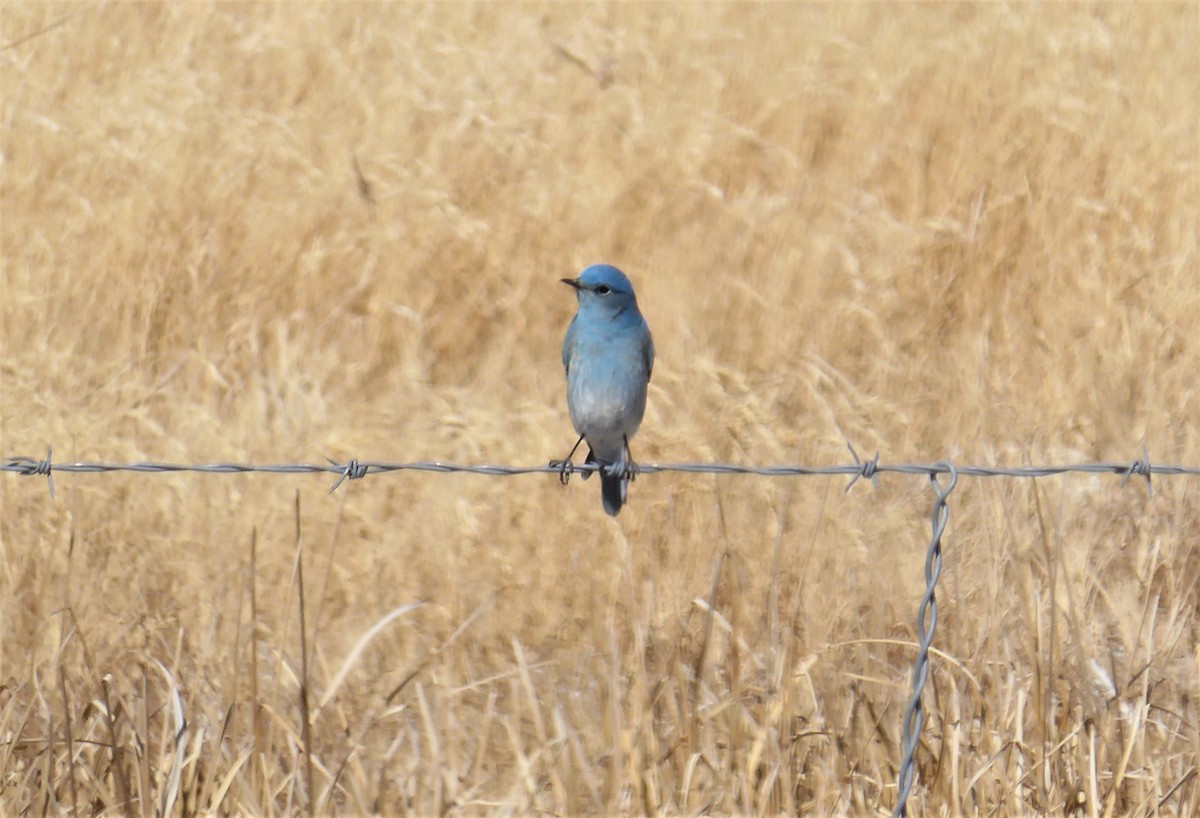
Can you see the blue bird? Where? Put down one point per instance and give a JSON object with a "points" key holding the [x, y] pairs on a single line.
{"points": [[608, 356]]}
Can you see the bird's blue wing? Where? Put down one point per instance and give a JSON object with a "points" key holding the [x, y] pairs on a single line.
{"points": [[648, 353], [568, 345]]}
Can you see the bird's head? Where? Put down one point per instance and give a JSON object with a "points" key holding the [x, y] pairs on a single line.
{"points": [[602, 287]]}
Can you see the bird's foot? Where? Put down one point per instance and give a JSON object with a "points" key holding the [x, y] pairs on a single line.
{"points": [[627, 462], [565, 469], [624, 468]]}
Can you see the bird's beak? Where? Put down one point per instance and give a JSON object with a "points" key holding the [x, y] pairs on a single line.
{"points": [[572, 282]]}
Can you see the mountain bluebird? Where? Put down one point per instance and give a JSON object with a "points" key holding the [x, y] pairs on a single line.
{"points": [[608, 355]]}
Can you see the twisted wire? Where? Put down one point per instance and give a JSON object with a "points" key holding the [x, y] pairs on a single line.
{"points": [[926, 624]]}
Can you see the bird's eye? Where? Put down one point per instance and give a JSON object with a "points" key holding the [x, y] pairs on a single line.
{"points": [[603, 289]]}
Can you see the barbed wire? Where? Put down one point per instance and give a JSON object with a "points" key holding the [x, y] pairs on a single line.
{"points": [[356, 469], [860, 469]]}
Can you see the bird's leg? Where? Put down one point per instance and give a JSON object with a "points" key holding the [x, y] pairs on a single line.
{"points": [[565, 467]]}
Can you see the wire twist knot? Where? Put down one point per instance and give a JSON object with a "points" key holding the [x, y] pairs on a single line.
{"points": [[350, 471], [868, 469], [1141, 468], [28, 467]]}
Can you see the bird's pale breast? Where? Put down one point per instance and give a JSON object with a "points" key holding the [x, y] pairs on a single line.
{"points": [[605, 402]]}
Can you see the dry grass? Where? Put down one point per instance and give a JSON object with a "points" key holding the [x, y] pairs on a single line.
{"points": [[965, 231]]}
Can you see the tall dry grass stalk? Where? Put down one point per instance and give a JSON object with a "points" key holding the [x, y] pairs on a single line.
{"points": [[278, 233]]}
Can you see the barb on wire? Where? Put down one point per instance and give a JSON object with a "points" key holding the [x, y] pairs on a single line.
{"points": [[926, 625], [869, 469], [1143, 468], [351, 471], [29, 466]]}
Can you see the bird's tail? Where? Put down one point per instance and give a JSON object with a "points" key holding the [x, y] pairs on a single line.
{"points": [[612, 491]]}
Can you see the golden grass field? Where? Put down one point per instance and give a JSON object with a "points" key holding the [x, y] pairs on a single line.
{"points": [[936, 231]]}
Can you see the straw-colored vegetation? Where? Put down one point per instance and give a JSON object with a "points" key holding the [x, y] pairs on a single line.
{"points": [[279, 233]]}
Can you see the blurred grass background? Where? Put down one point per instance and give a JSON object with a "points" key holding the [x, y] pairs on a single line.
{"points": [[283, 232]]}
